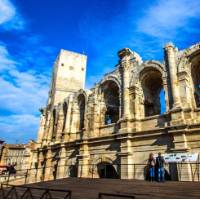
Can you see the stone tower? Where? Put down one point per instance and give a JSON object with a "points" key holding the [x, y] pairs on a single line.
{"points": [[68, 76]]}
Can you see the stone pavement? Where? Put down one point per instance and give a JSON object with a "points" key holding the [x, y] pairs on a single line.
{"points": [[90, 188]]}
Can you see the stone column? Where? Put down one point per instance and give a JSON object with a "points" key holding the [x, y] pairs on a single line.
{"points": [[124, 62], [32, 173], [50, 130], [68, 123], [60, 127], [124, 56], [75, 122], [135, 110], [47, 126], [126, 162], [41, 131], [170, 57], [61, 163], [181, 146], [96, 113], [40, 162], [127, 58], [48, 171], [166, 89], [83, 168]]}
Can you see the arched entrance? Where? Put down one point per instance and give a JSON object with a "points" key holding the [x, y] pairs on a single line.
{"points": [[106, 170]]}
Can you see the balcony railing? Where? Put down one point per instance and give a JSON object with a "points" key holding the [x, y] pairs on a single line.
{"points": [[174, 171]]}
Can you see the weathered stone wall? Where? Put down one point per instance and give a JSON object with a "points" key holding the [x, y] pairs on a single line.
{"points": [[121, 132]]}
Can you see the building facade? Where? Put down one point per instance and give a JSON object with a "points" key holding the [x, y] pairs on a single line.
{"points": [[117, 123], [16, 154], [1, 147]]}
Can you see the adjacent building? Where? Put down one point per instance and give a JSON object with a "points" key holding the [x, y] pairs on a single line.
{"points": [[16, 154]]}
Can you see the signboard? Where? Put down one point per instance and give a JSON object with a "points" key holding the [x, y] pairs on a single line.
{"points": [[180, 157]]}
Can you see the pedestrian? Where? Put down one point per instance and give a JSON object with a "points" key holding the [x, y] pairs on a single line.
{"points": [[160, 167], [151, 167]]}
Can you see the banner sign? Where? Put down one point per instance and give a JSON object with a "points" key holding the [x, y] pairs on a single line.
{"points": [[180, 157]]}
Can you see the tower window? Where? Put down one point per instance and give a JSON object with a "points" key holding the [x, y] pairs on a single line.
{"points": [[62, 64]]}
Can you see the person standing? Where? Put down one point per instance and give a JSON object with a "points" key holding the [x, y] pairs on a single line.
{"points": [[151, 167], [160, 167]]}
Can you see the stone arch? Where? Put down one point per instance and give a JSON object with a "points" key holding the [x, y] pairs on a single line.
{"points": [[103, 167], [189, 67], [145, 65], [81, 92], [195, 75], [151, 82], [186, 57], [153, 65], [111, 78], [110, 98], [102, 159]]}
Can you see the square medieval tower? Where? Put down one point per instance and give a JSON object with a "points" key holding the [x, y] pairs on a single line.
{"points": [[68, 75]]}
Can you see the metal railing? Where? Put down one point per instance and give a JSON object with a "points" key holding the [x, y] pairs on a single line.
{"points": [[19, 175], [112, 195], [175, 171], [30, 192]]}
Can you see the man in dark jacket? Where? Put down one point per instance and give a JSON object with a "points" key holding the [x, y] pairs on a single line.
{"points": [[160, 167]]}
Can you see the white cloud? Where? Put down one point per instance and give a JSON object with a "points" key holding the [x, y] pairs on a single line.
{"points": [[19, 128], [6, 61], [7, 11], [25, 92], [21, 94], [165, 18], [10, 18]]}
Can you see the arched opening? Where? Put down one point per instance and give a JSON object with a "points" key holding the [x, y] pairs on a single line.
{"points": [[81, 104], [112, 103], [65, 107], [195, 71], [106, 170], [54, 125], [152, 86], [73, 171]]}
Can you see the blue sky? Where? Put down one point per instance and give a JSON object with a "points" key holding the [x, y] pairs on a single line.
{"points": [[33, 31]]}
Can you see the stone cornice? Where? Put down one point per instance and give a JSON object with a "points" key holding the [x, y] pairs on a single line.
{"points": [[133, 135]]}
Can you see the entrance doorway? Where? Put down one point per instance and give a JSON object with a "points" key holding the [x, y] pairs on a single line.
{"points": [[73, 171], [106, 170]]}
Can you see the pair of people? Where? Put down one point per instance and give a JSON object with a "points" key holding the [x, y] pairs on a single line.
{"points": [[156, 165]]}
